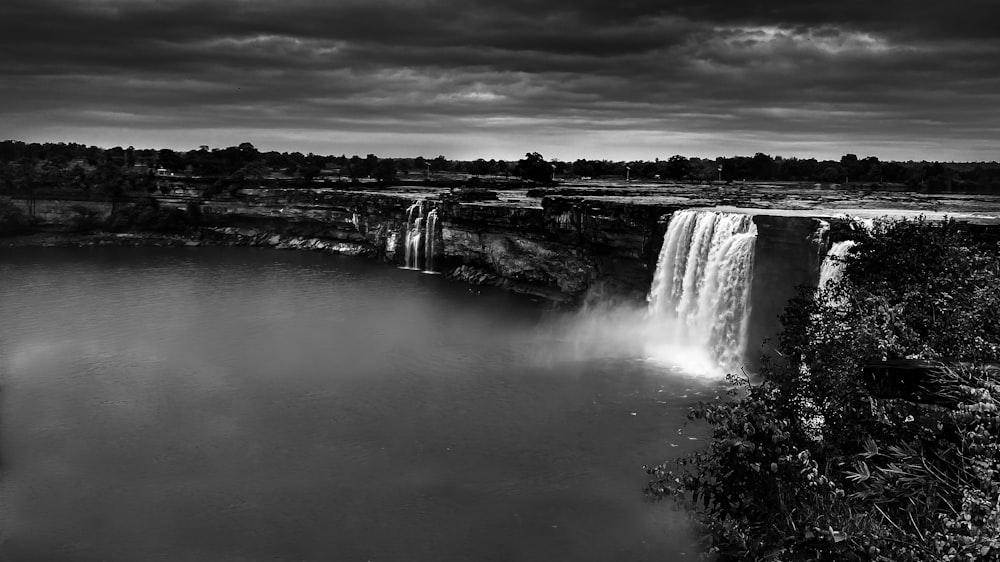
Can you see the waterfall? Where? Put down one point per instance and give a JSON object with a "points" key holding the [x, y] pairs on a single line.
{"points": [[415, 241], [819, 239], [833, 264], [419, 240], [429, 244], [701, 288], [413, 212]]}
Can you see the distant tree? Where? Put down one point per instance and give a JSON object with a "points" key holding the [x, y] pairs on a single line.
{"points": [[480, 168], [355, 167], [534, 167], [871, 169], [582, 168], [385, 171], [249, 151], [110, 183], [851, 167], [678, 167], [762, 167], [371, 165], [169, 159], [250, 175], [440, 164]]}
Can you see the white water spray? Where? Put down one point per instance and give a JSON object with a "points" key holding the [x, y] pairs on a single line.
{"points": [[413, 212], [832, 268], [429, 235], [701, 288], [419, 241]]}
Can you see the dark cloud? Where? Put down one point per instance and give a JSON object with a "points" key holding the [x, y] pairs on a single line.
{"points": [[633, 78]]}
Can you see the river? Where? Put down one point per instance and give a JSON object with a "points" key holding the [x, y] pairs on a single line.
{"points": [[241, 404]]}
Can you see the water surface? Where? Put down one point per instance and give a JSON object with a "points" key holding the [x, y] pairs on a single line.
{"points": [[238, 404]]}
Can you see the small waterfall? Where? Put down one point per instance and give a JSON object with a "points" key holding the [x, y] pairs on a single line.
{"points": [[413, 212], [429, 244], [832, 268], [702, 282], [819, 239], [415, 241], [419, 241]]}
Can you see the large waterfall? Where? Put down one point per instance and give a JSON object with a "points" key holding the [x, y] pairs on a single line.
{"points": [[701, 288], [419, 242]]}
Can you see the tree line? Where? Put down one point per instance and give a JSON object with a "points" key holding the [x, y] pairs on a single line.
{"points": [[105, 172]]}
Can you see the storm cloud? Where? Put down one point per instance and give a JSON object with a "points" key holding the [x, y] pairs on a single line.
{"points": [[476, 78]]}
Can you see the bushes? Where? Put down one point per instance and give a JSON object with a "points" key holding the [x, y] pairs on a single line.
{"points": [[809, 464], [146, 214]]}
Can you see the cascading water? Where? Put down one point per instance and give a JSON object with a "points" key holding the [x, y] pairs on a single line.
{"points": [[832, 268], [701, 288], [431, 227], [419, 241], [413, 214], [418, 236]]}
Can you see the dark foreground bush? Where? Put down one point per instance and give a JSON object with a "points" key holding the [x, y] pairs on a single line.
{"points": [[809, 464]]}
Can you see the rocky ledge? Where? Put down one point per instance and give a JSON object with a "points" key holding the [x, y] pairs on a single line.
{"points": [[568, 244]]}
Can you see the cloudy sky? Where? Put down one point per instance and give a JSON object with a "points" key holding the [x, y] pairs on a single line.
{"points": [[623, 79]]}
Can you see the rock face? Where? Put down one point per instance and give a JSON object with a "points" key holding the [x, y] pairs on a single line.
{"points": [[788, 255], [577, 247], [565, 248], [561, 247]]}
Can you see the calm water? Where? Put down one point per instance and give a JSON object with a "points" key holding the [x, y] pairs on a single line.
{"points": [[237, 404]]}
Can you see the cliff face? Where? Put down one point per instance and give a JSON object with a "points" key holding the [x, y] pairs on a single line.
{"points": [[574, 246], [788, 255], [562, 247]]}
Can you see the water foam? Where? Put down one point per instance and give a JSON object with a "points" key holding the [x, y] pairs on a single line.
{"points": [[700, 297]]}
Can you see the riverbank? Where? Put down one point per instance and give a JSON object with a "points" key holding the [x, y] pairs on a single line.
{"points": [[574, 242]]}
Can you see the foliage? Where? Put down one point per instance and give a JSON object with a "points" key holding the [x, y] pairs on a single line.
{"points": [[809, 464], [385, 172], [147, 215], [534, 167], [28, 169]]}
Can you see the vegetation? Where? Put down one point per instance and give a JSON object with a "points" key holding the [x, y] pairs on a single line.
{"points": [[534, 167], [810, 464], [28, 170], [146, 215]]}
